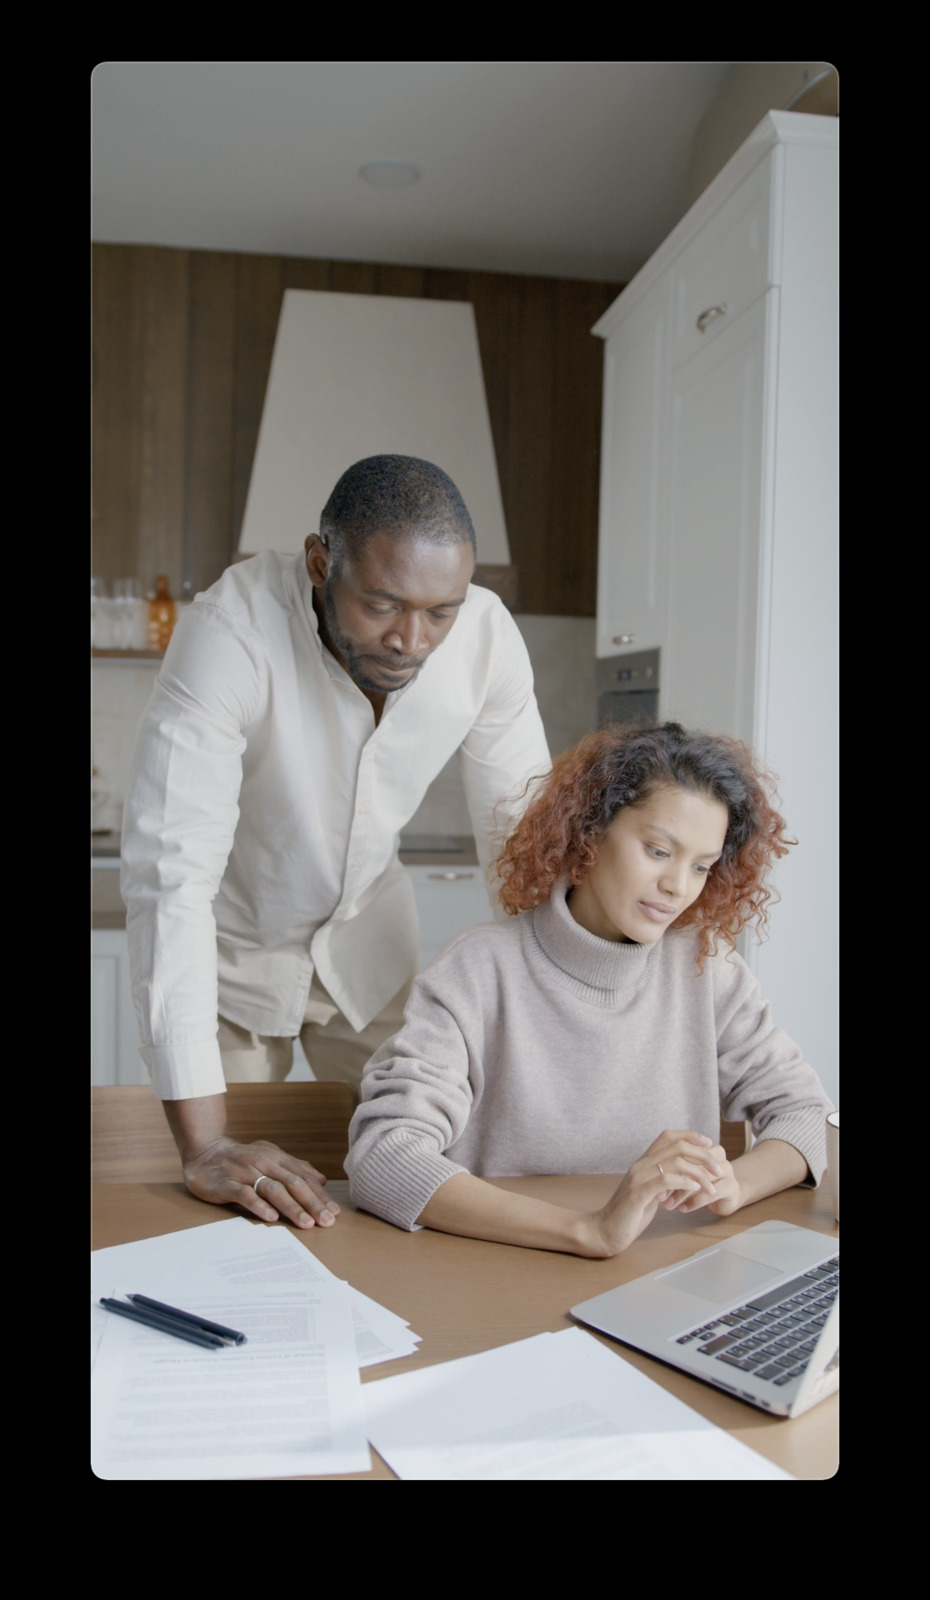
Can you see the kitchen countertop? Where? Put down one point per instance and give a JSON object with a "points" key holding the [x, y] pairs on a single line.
{"points": [[104, 846], [447, 851]]}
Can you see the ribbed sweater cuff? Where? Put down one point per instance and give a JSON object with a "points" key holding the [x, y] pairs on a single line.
{"points": [[805, 1131], [398, 1177]]}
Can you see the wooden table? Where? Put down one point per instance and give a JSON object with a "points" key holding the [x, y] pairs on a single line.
{"points": [[464, 1295]]}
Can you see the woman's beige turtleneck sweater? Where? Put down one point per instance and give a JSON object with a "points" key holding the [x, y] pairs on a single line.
{"points": [[534, 1047]]}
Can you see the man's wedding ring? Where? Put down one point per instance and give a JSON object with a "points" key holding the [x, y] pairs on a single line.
{"points": [[261, 1178]]}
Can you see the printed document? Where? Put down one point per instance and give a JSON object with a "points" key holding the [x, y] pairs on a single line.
{"points": [[287, 1403], [559, 1406], [219, 1256]]}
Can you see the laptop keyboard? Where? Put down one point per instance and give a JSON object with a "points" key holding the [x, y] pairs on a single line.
{"points": [[774, 1335]]}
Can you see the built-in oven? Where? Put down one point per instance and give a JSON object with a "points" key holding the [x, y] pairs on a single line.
{"points": [[628, 688]]}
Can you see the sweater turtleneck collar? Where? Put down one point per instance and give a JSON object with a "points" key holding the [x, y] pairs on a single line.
{"points": [[615, 970]]}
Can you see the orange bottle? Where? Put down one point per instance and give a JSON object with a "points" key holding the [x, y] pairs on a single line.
{"points": [[162, 616]]}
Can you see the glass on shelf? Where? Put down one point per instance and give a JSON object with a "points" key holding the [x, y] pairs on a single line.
{"points": [[101, 616], [130, 614], [119, 621]]}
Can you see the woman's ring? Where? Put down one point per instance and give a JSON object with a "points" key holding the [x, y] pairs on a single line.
{"points": [[260, 1179], [660, 1169]]}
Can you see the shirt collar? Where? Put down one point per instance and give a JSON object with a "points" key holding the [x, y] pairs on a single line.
{"points": [[305, 589]]}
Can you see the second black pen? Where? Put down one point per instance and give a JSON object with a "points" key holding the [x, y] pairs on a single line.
{"points": [[160, 1324]]}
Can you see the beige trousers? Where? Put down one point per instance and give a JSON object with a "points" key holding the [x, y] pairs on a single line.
{"points": [[336, 1053]]}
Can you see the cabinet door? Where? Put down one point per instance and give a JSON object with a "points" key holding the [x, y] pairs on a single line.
{"points": [[631, 566], [448, 900], [114, 1040], [718, 534], [731, 262]]}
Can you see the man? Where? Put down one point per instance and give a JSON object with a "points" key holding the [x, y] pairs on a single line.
{"points": [[303, 708]]}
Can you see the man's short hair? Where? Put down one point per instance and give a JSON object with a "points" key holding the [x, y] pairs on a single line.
{"points": [[398, 495]]}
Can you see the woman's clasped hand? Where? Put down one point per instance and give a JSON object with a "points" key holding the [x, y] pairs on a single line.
{"points": [[680, 1171]]}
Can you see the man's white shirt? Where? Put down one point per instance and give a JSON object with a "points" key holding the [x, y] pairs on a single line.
{"points": [[261, 826]]}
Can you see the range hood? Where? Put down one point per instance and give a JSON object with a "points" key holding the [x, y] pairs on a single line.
{"points": [[361, 375]]}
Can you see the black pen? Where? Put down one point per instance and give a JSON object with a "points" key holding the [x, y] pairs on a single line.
{"points": [[189, 1318], [161, 1324]]}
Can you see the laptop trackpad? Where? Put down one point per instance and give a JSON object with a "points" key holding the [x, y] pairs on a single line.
{"points": [[718, 1277]]}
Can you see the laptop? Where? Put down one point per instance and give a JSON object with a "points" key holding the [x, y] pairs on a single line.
{"points": [[757, 1315]]}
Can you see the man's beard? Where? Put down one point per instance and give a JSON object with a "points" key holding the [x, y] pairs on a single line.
{"points": [[350, 657]]}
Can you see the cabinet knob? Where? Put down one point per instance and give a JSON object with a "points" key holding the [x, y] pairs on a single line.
{"points": [[709, 315], [624, 638]]}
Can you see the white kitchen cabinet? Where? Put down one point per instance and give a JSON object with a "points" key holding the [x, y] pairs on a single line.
{"points": [[632, 565], [714, 453], [448, 900], [719, 514], [114, 1037]]}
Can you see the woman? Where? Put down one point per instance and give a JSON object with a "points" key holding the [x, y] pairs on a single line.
{"points": [[606, 1012]]}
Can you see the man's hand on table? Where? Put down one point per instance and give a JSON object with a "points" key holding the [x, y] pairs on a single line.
{"points": [[220, 1170]]}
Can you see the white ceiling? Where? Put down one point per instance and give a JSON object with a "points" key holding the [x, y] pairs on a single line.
{"points": [[564, 168]]}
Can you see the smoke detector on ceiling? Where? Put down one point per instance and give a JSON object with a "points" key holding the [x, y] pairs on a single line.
{"points": [[389, 174]]}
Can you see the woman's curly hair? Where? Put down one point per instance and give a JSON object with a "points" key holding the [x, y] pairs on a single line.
{"points": [[561, 831]]}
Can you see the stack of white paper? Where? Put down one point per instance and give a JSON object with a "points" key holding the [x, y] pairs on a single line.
{"points": [[235, 1254], [558, 1406], [287, 1402]]}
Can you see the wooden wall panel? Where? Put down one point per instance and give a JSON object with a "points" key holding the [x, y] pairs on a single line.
{"points": [[117, 411], [182, 346], [164, 410], [575, 446], [442, 285], [495, 297], [533, 422], [354, 277], [259, 292], [298, 274], [405, 281], [211, 432]]}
